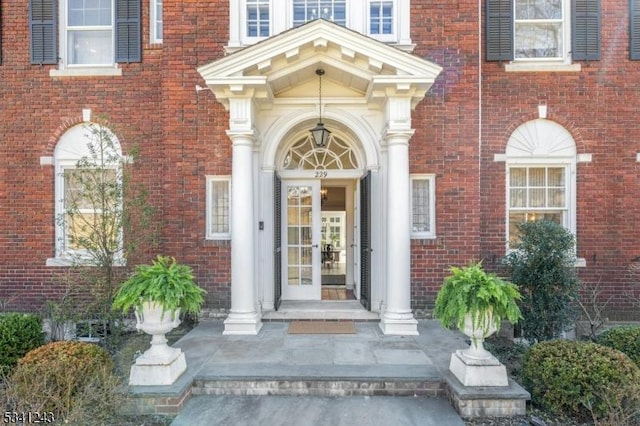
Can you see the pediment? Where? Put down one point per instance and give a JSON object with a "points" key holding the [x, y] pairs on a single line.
{"points": [[283, 66]]}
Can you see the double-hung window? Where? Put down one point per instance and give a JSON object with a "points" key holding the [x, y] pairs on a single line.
{"points": [[89, 32], [542, 30], [537, 193], [218, 195], [381, 18], [257, 18], [88, 187], [85, 34], [423, 210]]}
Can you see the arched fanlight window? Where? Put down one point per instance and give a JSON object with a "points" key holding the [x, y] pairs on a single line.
{"points": [[306, 155]]}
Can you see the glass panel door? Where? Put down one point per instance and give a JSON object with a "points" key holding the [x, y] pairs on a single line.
{"points": [[301, 238]]}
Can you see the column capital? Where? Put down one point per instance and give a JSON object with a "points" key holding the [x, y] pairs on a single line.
{"points": [[243, 137], [397, 137]]}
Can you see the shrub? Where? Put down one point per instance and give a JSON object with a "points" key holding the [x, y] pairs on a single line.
{"points": [[19, 333], [624, 339], [543, 267], [581, 379], [52, 377]]}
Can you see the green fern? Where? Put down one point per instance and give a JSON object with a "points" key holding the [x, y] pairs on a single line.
{"points": [[165, 282], [471, 290]]}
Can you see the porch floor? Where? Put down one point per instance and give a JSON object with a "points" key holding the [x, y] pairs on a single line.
{"points": [[220, 367]]}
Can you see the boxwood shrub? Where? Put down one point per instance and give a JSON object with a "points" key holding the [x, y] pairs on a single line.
{"points": [[624, 339], [19, 333], [584, 380], [52, 377]]}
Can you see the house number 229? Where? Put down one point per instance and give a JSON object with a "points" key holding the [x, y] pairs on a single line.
{"points": [[321, 173]]}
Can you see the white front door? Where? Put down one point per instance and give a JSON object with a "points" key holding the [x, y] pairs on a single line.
{"points": [[301, 240]]}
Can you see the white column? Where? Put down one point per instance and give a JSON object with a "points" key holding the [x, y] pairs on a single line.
{"points": [[397, 317], [243, 317]]}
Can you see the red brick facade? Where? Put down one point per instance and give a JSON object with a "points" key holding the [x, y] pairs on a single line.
{"points": [[462, 123]]}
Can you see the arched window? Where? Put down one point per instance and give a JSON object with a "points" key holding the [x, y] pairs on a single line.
{"points": [[541, 176], [88, 188], [305, 155]]}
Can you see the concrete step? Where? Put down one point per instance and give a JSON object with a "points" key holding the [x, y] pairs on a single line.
{"points": [[321, 380], [208, 410]]}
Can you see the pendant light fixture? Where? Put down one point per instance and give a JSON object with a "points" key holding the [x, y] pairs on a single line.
{"points": [[320, 133]]}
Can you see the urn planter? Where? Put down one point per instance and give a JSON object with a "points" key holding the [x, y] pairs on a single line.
{"points": [[160, 364]]}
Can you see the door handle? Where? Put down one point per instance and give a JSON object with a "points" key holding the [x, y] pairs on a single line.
{"points": [[315, 245]]}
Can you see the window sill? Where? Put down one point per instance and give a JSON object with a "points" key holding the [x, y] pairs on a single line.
{"points": [[66, 262], [423, 237], [541, 67], [84, 72]]}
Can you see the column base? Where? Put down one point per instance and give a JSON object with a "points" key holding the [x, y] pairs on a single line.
{"points": [[478, 371], [144, 373], [399, 325], [244, 324]]}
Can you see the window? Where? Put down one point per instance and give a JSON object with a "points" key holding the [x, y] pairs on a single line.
{"points": [[308, 10], [92, 33], [88, 186], [540, 176], [386, 20], [218, 208], [539, 29], [89, 32], [543, 30], [381, 17], [537, 193], [258, 18], [423, 206], [156, 21]]}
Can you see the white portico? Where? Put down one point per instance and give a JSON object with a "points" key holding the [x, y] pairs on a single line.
{"points": [[271, 92]]}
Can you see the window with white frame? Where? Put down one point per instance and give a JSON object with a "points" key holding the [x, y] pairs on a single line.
{"points": [[88, 187], [423, 221], [258, 23], [537, 193], [381, 18], [540, 29], [385, 20], [540, 176], [80, 35], [308, 10], [156, 21], [89, 32], [218, 207]]}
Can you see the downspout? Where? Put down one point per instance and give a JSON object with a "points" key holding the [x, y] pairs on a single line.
{"points": [[479, 113]]}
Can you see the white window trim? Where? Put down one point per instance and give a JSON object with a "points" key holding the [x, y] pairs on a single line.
{"points": [[154, 39], [393, 37], [65, 159], [431, 179], [569, 220], [69, 70], [357, 20], [563, 64], [209, 235]]}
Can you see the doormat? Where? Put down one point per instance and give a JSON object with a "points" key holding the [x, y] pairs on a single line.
{"points": [[322, 327]]}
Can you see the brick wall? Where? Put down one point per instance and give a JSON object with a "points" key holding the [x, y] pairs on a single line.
{"points": [[598, 106]]}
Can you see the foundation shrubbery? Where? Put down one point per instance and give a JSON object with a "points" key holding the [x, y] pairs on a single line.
{"points": [[584, 380]]}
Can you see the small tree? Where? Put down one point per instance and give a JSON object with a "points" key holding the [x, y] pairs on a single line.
{"points": [[106, 218], [542, 264]]}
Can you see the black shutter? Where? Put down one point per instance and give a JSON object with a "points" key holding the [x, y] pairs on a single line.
{"points": [[128, 31], [499, 30], [585, 34], [634, 29], [43, 31]]}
